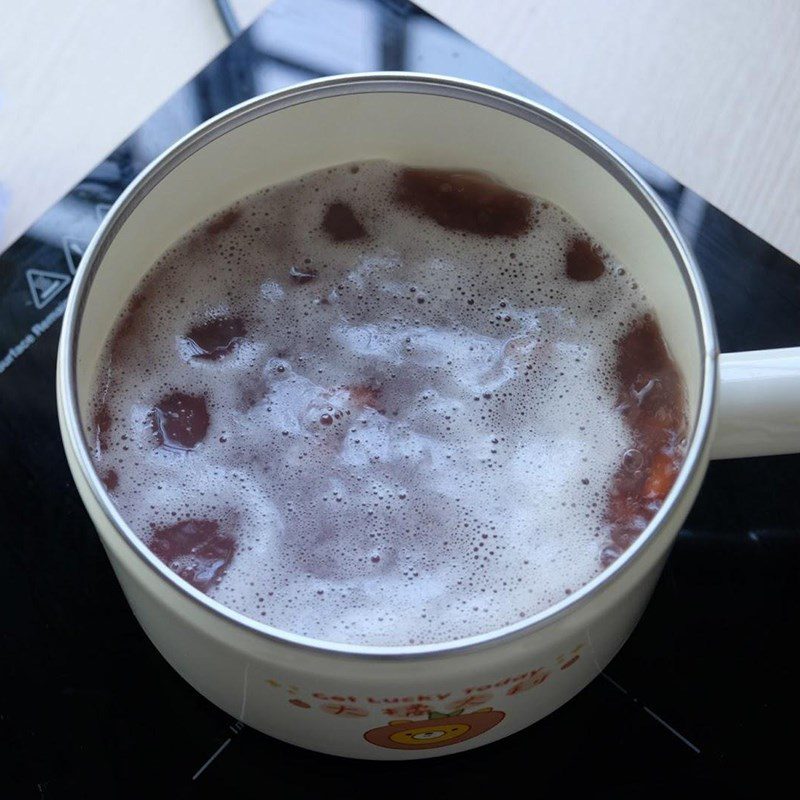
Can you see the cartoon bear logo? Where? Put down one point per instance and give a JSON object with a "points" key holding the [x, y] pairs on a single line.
{"points": [[439, 730]]}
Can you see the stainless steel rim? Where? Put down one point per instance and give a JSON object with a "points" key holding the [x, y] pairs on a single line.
{"points": [[397, 82]]}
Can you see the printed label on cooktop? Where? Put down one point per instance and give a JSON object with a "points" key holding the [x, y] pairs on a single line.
{"points": [[35, 276]]}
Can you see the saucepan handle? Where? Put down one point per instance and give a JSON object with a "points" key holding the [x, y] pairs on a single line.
{"points": [[759, 404]]}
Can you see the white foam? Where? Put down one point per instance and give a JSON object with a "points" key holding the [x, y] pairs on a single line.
{"points": [[456, 508]]}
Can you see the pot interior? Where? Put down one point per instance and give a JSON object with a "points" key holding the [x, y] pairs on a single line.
{"points": [[271, 141]]}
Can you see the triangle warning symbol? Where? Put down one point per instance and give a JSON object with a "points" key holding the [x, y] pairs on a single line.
{"points": [[45, 285], [73, 252]]}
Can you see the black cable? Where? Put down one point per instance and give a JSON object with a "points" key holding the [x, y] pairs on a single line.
{"points": [[228, 18]]}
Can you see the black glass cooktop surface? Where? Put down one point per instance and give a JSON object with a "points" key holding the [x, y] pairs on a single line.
{"points": [[703, 696]]}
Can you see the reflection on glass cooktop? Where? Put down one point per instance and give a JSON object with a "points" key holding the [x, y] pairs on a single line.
{"points": [[699, 697]]}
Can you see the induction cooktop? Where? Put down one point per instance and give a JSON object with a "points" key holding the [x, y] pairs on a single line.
{"points": [[701, 697]]}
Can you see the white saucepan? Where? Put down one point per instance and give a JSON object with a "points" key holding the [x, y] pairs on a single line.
{"points": [[411, 701]]}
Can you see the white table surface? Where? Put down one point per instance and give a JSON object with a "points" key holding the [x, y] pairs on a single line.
{"points": [[77, 77], [709, 91]]}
